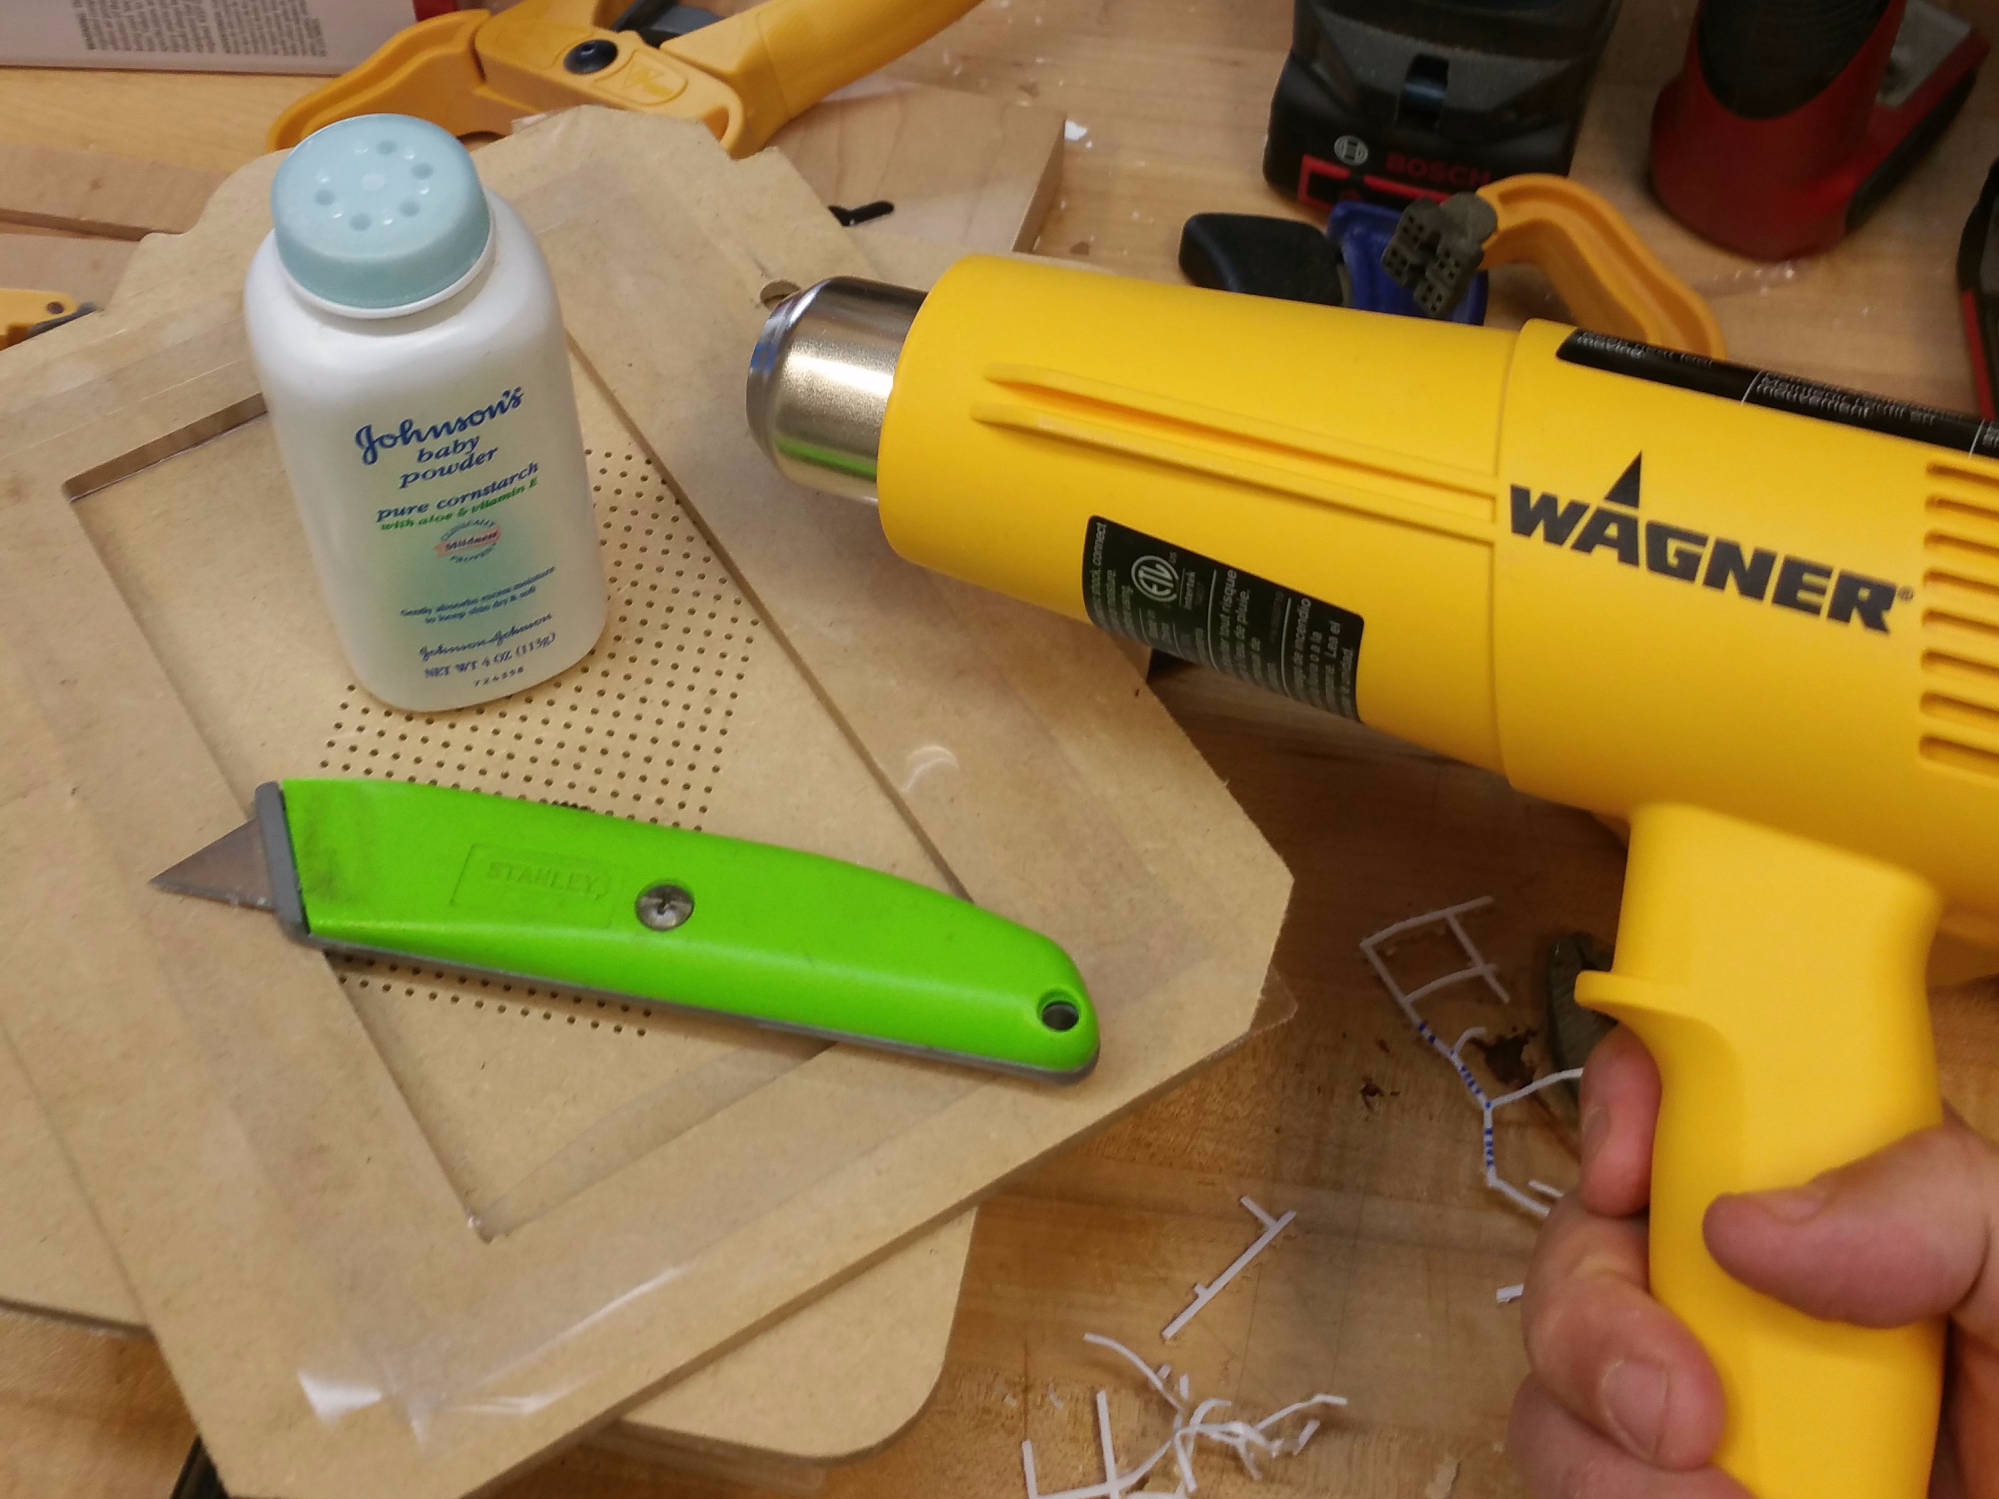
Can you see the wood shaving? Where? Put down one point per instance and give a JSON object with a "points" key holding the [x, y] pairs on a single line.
{"points": [[1194, 1422], [1443, 1480]]}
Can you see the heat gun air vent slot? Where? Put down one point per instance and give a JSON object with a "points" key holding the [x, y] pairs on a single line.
{"points": [[1962, 757], [1960, 629], [1943, 584], [1961, 585], [1975, 675], [1961, 509], [1968, 549], [1957, 711], [1948, 473], [1944, 624]]}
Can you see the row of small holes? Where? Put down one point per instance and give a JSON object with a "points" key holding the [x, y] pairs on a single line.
{"points": [[633, 729], [369, 973]]}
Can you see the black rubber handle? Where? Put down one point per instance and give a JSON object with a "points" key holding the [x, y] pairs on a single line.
{"points": [[1764, 58], [1265, 257]]}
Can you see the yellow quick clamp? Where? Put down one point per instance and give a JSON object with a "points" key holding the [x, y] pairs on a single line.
{"points": [[26, 312], [476, 71]]}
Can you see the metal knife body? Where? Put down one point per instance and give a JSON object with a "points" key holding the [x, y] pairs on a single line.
{"points": [[579, 900]]}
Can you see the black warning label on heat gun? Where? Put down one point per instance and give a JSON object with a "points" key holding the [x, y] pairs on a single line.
{"points": [[1957, 430], [1205, 611]]}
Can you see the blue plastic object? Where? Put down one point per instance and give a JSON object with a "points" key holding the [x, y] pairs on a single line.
{"points": [[1362, 231], [379, 212]]}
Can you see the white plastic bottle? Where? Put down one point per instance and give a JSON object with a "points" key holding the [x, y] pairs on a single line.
{"points": [[406, 333]]}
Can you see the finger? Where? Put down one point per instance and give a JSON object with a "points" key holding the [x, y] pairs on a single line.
{"points": [[1620, 1110], [1562, 1458], [1611, 1355], [1910, 1232]]}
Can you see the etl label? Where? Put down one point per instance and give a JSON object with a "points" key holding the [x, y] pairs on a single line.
{"points": [[1201, 610]]}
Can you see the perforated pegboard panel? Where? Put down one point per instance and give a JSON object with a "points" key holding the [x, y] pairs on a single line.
{"points": [[641, 729], [640, 725], [528, 1097], [689, 711]]}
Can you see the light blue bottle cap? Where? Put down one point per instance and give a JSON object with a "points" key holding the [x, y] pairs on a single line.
{"points": [[379, 211]]}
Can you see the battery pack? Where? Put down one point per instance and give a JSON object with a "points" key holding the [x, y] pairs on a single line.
{"points": [[1392, 100]]}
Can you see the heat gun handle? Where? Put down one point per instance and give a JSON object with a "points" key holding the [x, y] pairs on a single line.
{"points": [[1779, 984]]}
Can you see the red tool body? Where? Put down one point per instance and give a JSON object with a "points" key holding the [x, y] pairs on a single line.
{"points": [[1978, 290], [1790, 121]]}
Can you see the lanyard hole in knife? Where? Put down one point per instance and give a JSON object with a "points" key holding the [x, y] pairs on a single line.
{"points": [[1059, 1011]]}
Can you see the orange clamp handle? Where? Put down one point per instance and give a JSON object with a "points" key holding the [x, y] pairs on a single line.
{"points": [[784, 56], [430, 70], [1610, 279]]}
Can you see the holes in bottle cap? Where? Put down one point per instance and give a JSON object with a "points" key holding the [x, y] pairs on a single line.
{"points": [[323, 197], [1059, 1011], [360, 221], [408, 207], [386, 147], [421, 170]]}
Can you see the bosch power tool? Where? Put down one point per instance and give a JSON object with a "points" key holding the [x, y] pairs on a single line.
{"points": [[1399, 99]]}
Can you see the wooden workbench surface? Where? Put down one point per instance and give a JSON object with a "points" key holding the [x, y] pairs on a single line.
{"points": [[1382, 1290]]}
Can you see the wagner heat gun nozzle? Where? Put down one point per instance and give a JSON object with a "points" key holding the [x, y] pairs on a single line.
{"points": [[820, 378]]}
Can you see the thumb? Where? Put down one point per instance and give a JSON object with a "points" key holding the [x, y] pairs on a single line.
{"points": [[1909, 1232]]}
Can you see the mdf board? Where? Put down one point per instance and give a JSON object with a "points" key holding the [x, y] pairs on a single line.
{"points": [[87, 269], [369, 1329], [830, 1381], [826, 1383], [99, 192]]}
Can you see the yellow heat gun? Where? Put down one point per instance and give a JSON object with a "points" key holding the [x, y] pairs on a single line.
{"points": [[1777, 601]]}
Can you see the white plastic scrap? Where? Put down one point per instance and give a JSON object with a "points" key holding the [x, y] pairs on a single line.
{"points": [[1505, 1295], [1476, 967], [1272, 1227], [1193, 1422]]}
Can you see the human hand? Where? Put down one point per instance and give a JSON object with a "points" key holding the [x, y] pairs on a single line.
{"points": [[1622, 1403]]}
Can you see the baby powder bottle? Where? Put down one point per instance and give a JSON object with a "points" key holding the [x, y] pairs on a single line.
{"points": [[404, 328]]}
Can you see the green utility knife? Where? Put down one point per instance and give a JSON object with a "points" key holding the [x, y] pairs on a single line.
{"points": [[575, 899]]}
